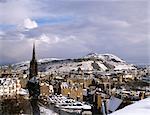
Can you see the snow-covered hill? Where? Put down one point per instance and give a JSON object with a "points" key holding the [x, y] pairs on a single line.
{"points": [[111, 60], [90, 62], [24, 65], [105, 57]]}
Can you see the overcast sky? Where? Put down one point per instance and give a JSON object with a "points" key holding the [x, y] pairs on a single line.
{"points": [[74, 28]]}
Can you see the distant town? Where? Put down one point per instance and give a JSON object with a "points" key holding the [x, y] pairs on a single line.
{"points": [[96, 84]]}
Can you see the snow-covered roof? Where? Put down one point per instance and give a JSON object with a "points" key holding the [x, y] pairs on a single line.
{"points": [[23, 91], [7, 81], [46, 111], [113, 103], [58, 77], [64, 84], [141, 107]]}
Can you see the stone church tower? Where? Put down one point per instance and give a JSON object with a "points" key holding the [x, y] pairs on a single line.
{"points": [[33, 85], [33, 70]]}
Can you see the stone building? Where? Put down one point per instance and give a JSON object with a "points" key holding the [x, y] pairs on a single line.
{"points": [[46, 89]]}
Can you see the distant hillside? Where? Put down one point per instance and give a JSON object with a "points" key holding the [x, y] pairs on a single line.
{"points": [[92, 61]]}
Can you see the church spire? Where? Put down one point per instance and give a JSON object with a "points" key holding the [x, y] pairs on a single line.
{"points": [[33, 53], [33, 65]]}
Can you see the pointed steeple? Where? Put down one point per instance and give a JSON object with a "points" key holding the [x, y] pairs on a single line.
{"points": [[33, 65], [33, 53]]}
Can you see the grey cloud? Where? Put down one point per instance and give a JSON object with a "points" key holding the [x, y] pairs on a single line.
{"points": [[120, 28]]}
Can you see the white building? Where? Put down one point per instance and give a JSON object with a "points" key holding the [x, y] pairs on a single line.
{"points": [[9, 86]]}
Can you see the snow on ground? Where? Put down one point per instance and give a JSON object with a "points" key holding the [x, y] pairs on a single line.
{"points": [[102, 66], [87, 65], [67, 67], [124, 67], [47, 59], [112, 60], [111, 56], [141, 107], [105, 57]]}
